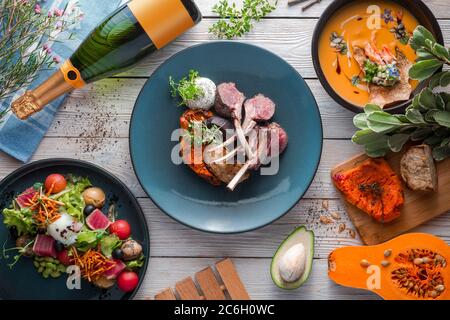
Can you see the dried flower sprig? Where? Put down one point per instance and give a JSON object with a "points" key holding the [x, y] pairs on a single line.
{"points": [[26, 31], [235, 22]]}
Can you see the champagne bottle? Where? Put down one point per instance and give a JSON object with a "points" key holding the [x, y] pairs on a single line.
{"points": [[132, 32]]}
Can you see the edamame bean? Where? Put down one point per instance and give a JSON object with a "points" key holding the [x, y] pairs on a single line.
{"points": [[41, 269], [55, 274], [36, 264]]}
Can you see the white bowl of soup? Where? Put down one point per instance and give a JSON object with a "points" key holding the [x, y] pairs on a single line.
{"points": [[361, 51]]}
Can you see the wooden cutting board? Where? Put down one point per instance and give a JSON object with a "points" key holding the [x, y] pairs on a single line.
{"points": [[419, 206]]}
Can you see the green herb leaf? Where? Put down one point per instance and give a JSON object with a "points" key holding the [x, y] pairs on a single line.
{"points": [[440, 51], [360, 121], [186, 88], [441, 153], [234, 22], [421, 134], [422, 70], [433, 140], [415, 116], [370, 108], [443, 118], [445, 79], [381, 121], [365, 136], [427, 99], [397, 141]]}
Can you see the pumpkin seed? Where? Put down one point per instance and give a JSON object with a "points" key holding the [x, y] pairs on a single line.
{"points": [[418, 261], [433, 294], [364, 263], [335, 215], [325, 204], [385, 263], [439, 258], [341, 227], [426, 260], [387, 252], [440, 288], [352, 233], [325, 220]]}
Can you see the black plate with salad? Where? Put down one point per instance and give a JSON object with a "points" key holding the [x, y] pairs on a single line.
{"points": [[61, 218]]}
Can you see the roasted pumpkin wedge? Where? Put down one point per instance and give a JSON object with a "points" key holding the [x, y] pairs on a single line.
{"points": [[374, 188], [410, 267]]}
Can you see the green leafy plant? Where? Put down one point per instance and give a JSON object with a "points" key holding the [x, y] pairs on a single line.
{"points": [[235, 22], [426, 120], [25, 33], [186, 88]]}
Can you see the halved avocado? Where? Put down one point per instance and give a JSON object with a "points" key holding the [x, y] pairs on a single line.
{"points": [[299, 235]]}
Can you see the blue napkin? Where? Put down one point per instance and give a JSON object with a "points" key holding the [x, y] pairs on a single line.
{"points": [[20, 139]]}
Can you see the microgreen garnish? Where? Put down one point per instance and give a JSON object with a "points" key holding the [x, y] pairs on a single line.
{"points": [[355, 80], [186, 88], [235, 22], [199, 133], [338, 43], [426, 120]]}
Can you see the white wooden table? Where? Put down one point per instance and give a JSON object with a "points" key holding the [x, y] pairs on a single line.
{"points": [[177, 251]]}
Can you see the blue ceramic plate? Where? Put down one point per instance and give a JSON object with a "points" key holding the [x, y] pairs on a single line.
{"points": [[23, 281], [261, 199]]}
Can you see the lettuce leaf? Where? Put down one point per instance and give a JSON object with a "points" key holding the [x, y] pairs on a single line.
{"points": [[21, 219], [73, 199], [88, 239], [108, 244], [135, 264]]}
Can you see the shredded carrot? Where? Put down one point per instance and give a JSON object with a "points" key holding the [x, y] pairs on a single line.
{"points": [[46, 209], [92, 264]]}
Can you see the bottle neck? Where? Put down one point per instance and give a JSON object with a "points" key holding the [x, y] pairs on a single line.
{"points": [[59, 83]]}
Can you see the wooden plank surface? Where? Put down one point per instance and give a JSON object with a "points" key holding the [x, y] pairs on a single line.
{"points": [[187, 290], [165, 295], [93, 125], [209, 285], [231, 280], [419, 207]]}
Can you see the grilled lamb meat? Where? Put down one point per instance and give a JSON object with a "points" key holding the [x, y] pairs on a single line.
{"points": [[229, 101], [224, 170], [418, 170], [259, 109], [273, 130]]}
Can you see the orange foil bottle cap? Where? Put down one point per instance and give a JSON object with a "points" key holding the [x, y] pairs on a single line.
{"points": [[162, 20]]}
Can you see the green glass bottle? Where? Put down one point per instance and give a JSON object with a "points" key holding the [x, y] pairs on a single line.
{"points": [[132, 32]]}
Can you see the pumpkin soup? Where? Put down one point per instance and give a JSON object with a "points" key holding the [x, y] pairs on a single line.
{"points": [[365, 55]]}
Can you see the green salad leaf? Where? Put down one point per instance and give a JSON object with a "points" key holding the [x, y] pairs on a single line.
{"points": [[73, 198], [21, 219], [108, 244], [88, 239], [135, 264]]}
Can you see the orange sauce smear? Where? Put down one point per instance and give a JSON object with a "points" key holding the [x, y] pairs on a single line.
{"points": [[351, 23]]}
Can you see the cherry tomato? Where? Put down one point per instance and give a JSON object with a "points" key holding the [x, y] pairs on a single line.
{"points": [[64, 258], [55, 183], [120, 228], [127, 281]]}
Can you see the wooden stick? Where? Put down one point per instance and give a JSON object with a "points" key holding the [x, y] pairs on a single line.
{"points": [[313, 2], [294, 2]]}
